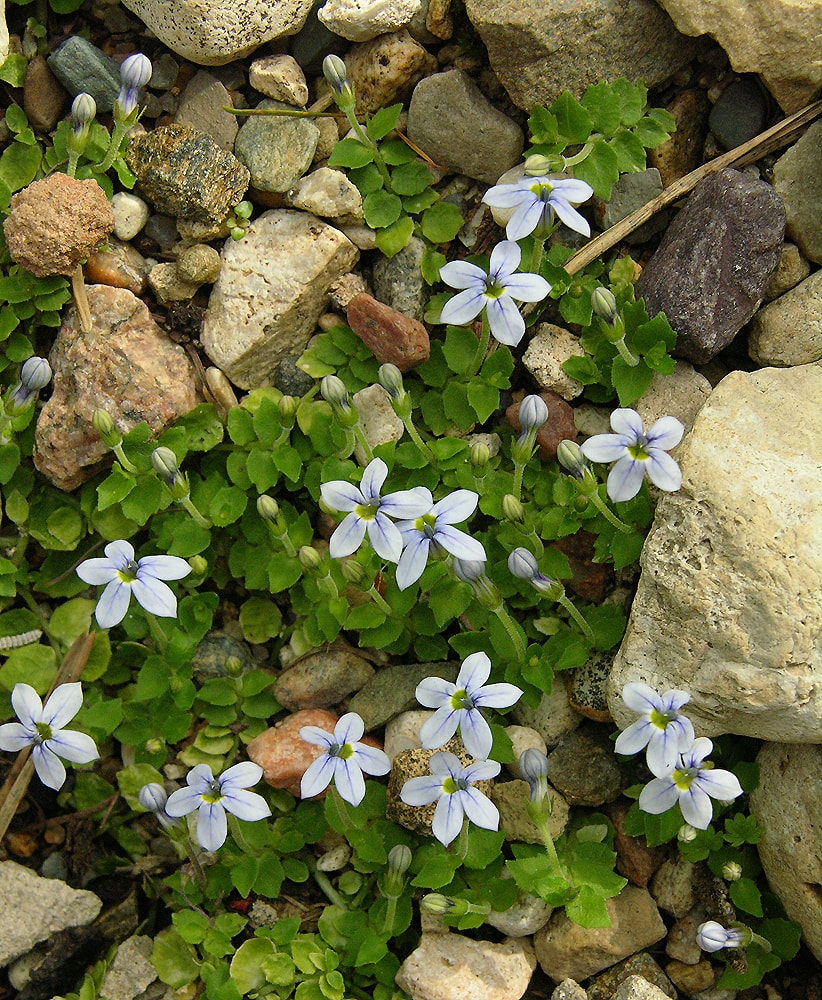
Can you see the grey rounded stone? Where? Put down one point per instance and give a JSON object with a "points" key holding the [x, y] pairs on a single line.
{"points": [[739, 114], [276, 150]]}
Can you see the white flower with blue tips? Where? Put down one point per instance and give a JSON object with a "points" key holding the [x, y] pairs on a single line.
{"points": [[344, 761], [436, 528], [662, 728]]}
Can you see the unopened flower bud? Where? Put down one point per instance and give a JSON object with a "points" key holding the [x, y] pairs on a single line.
{"points": [[732, 871], [310, 558], [532, 414], [335, 72], [468, 570], [135, 71], [512, 509], [352, 571], [536, 165], [164, 463], [480, 457], [83, 109], [153, 797], [399, 859], [153, 745], [686, 833], [106, 428], [287, 409], [604, 304], [533, 766], [199, 565], [435, 902], [268, 508], [570, 457], [390, 378], [333, 391], [34, 374], [712, 936], [523, 565]]}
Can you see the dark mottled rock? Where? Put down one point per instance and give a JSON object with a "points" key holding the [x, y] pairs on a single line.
{"points": [[590, 579], [394, 338], [739, 114], [631, 192], [392, 690], [635, 860], [604, 986], [183, 172], [398, 281], [217, 652], [43, 97], [583, 768], [79, 65], [587, 687], [322, 679], [713, 266]]}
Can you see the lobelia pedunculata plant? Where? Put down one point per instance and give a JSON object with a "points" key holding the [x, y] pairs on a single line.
{"points": [[281, 521]]}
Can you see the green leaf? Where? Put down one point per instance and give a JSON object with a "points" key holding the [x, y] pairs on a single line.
{"points": [[651, 132], [394, 237], [19, 165], [410, 178], [441, 222], [497, 368], [383, 121], [261, 469], [367, 178], [114, 488], [174, 960], [227, 506], [542, 125], [395, 151], [13, 70], [35, 665], [350, 153], [364, 616], [630, 152], [459, 348], [413, 204], [630, 381], [432, 261], [632, 98], [246, 967], [574, 124], [381, 209], [741, 829], [260, 620], [457, 407], [600, 169], [483, 398], [437, 871], [746, 896], [588, 909], [603, 104]]}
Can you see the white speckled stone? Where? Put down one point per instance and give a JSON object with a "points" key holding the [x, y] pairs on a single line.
{"points": [[359, 20], [130, 215], [281, 78], [213, 34]]}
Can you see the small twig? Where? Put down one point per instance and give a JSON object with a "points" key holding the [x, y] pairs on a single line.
{"points": [[773, 138], [108, 804], [14, 789]]}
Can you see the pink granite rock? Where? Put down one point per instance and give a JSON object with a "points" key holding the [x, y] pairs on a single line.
{"points": [[394, 338], [558, 427], [127, 366]]}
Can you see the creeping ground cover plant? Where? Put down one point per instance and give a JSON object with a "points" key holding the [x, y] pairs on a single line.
{"points": [[285, 828]]}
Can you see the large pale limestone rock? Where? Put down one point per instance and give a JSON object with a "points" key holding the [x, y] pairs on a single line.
{"points": [[273, 287], [779, 39], [729, 604], [212, 34], [788, 806]]}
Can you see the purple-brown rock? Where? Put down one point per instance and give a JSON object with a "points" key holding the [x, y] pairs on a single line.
{"points": [[558, 427], [395, 339], [127, 366], [714, 264]]}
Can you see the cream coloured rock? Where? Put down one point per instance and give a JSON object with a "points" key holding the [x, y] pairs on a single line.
{"points": [[328, 193], [566, 950], [788, 331], [779, 39], [359, 20], [728, 605], [788, 806], [280, 78], [453, 967], [547, 350], [212, 34], [680, 394], [272, 289], [378, 421]]}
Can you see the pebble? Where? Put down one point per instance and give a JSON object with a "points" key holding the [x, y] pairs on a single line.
{"points": [[451, 966], [378, 421], [394, 338], [164, 72], [290, 379], [553, 718], [797, 179], [587, 687], [791, 269], [328, 193], [322, 679], [131, 972], [558, 427], [213, 652], [511, 797], [681, 394], [569, 990], [528, 915], [740, 113], [432, 22], [548, 349], [672, 886], [43, 97], [403, 732], [329, 135], [788, 331], [607, 983], [56, 222], [523, 738], [342, 292], [398, 281], [691, 979], [200, 264], [713, 266], [753, 541], [126, 365], [453, 122], [360, 20], [212, 35], [281, 78], [383, 69], [638, 988], [272, 289], [119, 265], [130, 215], [566, 950], [631, 192], [590, 580], [162, 230], [528, 45], [682, 152], [168, 286], [635, 860], [34, 908], [276, 150], [392, 691], [681, 943], [81, 66], [202, 107], [183, 172], [583, 767]]}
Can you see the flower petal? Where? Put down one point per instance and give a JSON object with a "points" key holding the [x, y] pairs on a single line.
{"points": [[642, 698], [625, 479], [505, 320], [571, 189], [696, 807], [570, 216], [498, 696], [113, 604], [464, 306], [666, 433], [603, 448], [505, 259], [474, 672], [507, 196], [97, 571], [663, 471], [73, 746], [242, 775], [479, 809], [119, 553], [14, 737], [372, 760], [526, 218], [49, 767], [63, 704], [340, 495], [317, 776], [527, 287], [183, 801], [434, 692], [635, 738], [459, 544], [699, 751], [456, 507], [319, 737], [628, 422], [373, 479], [385, 537], [349, 782], [406, 504], [475, 734], [658, 796], [719, 784], [248, 806], [412, 561], [27, 706], [162, 568], [421, 791], [348, 536], [212, 826], [481, 770], [462, 274], [349, 728], [446, 764], [448, 817], [155, 597], [437, 730]]}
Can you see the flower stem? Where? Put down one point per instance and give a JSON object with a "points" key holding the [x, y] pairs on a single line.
{"points": [[390, 915], [196, 867], [512, 629], [239, 836], [482, 346], [113, 151], [361, 438], [159, 636], [625, 353], [327, 888], [573, 613], [608, 514], [537, 253], [188, 504], [413, 433], [121, 458], [380, 601], [519, 469], [550, 847]]}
